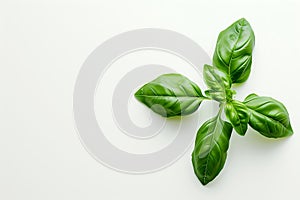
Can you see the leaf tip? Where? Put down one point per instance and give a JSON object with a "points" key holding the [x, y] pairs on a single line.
{"points": [[291, 131], [206, 66], [241, 132], [204, 182], [243, 22], [138, 94]]}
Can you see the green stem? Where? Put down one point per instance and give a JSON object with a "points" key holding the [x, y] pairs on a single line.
{"points": [[206, 98]]}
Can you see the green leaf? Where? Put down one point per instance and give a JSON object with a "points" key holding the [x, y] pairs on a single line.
{"points": [[171, 95], [268, 116], [233, 52], [237, 113], [210, 149], [218, 83]]}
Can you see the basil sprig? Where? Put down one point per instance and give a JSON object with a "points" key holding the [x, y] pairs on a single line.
{"points": [[175, 95]]}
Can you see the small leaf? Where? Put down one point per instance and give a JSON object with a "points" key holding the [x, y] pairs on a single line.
{"points": [[268, 116], [171, 95], [217, 81], [233, 52], [210, 149], [237, 113]]}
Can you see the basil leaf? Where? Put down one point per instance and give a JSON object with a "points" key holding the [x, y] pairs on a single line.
{"points": [[217, 81], [171, 95], [237, 113], [268, 116], [233, 52], [210, 149]]}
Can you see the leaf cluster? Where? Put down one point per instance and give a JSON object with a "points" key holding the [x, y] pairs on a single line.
{"points": [[175, 95]]}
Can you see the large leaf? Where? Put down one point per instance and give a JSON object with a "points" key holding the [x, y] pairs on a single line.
{"points": [[171, 95], [218, 82], [237, 113], [233, 52], [210, 149], [268, 116]]}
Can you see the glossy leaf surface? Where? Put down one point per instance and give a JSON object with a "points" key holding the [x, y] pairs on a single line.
{"points": [[233, 52], [210, 149], [217, 81], [171, 95], [268, 116], [237, 113]]}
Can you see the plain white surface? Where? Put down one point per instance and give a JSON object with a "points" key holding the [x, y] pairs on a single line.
{"points": [[44, 43]]}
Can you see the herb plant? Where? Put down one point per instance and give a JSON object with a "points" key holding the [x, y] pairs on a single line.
{"points": [[175, 95]]}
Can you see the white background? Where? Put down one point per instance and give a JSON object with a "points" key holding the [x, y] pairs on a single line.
{"points": [[42, 47]]}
